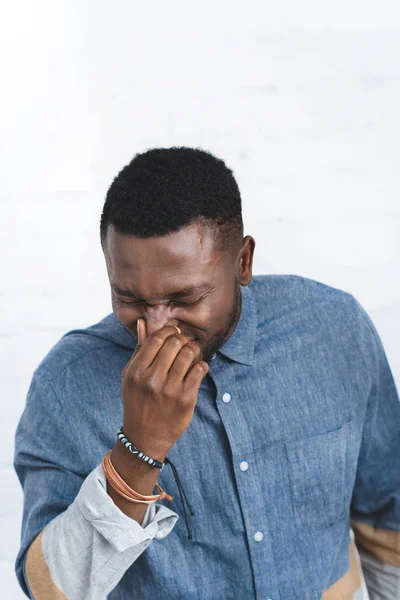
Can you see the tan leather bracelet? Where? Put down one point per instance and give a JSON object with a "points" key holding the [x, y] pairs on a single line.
{"points": [[123, 489]]}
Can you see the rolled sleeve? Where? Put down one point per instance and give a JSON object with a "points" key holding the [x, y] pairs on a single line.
{"points": [[90, 546]]}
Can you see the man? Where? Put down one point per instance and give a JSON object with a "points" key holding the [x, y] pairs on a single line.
{"points": [[272, 396]]}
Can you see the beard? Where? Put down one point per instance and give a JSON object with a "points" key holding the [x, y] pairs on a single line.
{"points": [[220, 338]]}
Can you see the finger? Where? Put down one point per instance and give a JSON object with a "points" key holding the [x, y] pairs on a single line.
{"points": [[189, 354], [171, 348], [137, 348], [141, 332], [141, 338], [153, 345], [195, 376]]}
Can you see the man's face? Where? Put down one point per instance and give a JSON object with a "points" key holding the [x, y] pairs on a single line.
{"points": [[180, 276]]}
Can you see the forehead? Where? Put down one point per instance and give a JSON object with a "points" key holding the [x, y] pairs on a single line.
{"points": [[172, 261]]}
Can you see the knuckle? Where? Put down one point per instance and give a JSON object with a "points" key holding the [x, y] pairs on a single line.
{"points": [[191, 351], [157, 338], [170, 392], [182, 402], [174, 341], [131, 374], [150, 387], [198, 370], [184, 339], [134, 376]]}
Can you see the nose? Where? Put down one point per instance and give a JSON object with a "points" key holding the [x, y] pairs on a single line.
{"points": [[157, 317]]}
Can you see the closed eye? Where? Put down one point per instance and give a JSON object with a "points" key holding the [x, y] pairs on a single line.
{"points": [[174, 302], [132, 303]]}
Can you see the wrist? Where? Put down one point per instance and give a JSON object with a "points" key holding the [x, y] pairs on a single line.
{"points": [[134, 471], [155, 450]]}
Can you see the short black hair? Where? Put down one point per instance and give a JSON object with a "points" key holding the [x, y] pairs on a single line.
{"points": [[164, 189]]}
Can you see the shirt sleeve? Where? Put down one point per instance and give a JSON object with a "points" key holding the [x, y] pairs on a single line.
{"points": [[87, 542], [375, 506]]}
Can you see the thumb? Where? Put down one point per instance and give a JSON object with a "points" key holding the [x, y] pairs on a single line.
{"points": [[141, 338], [141, 334]]}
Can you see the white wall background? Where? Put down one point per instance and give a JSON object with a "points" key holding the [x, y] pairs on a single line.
{"points": [[301, 99]]}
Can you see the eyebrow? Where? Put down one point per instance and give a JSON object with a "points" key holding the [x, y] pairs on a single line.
{"points": [[187, 291]]}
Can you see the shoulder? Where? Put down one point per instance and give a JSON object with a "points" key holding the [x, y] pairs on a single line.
{"points": [[303, 306], [300, 313], [278, 294], [84, 347]]}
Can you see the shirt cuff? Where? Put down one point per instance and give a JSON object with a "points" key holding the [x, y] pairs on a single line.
{"points": [[117, 528]]}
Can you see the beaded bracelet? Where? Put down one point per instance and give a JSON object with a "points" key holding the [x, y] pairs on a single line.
{"points": [[151, 461]]}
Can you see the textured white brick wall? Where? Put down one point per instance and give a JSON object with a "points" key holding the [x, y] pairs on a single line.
{"points": [[302, 100]]}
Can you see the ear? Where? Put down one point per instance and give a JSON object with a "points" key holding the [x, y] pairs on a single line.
{"points": [[245, 260]]}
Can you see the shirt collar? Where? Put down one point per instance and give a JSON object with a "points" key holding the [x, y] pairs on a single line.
{"points": [[240, 345]]}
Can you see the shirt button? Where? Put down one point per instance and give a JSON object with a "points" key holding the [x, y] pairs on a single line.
{"points": [[244, 466], [226, 397], [258, 536]]}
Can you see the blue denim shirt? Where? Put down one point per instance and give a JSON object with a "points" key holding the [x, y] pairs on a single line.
{"points": [[295, 431]]}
